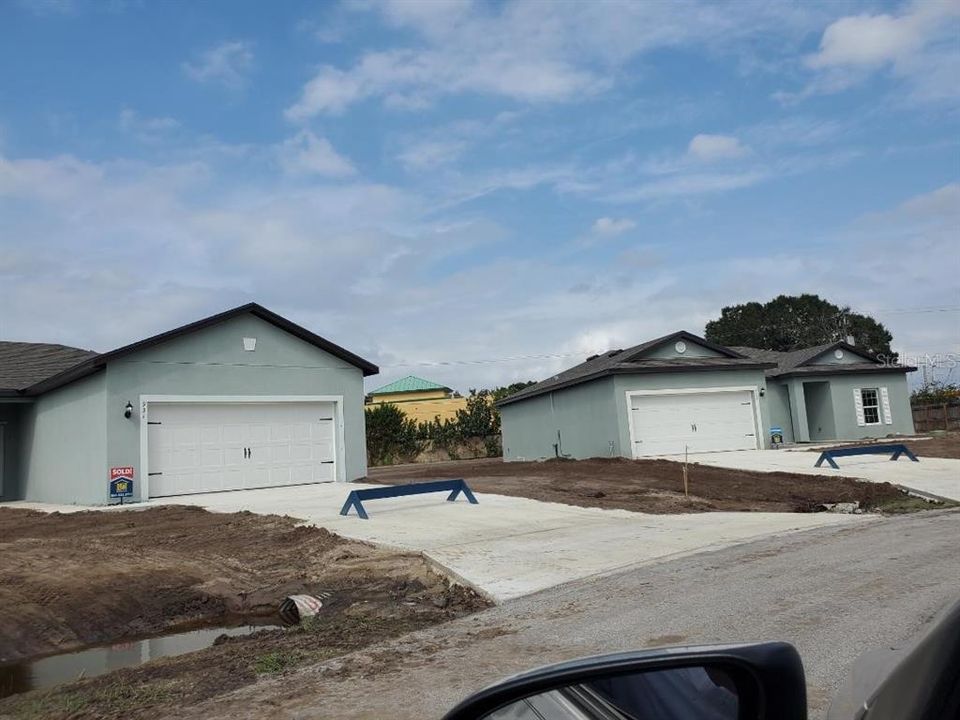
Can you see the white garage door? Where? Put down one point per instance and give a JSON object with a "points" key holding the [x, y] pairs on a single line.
{"points": [[666, 424], [200, 447]]}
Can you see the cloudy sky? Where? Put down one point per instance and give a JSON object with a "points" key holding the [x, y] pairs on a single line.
{"points": [[476, 192]]}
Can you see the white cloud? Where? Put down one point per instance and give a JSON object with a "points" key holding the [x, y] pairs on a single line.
{"points": [[609, 226], [711, 148], [683, 185], [431, 154], [525, 51], [147, 129], [870, 40], [227, 63], [307, 154], [915, 45], [358, 262]]}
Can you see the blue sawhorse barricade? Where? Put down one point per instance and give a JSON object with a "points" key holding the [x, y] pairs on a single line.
{"points": [[896, 450], [454, 487]]}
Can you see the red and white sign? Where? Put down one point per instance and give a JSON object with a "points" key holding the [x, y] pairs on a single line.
{"points": [[121, 472]]}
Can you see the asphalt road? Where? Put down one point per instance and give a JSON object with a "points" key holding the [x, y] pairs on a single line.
{"points": [[833, 593]]}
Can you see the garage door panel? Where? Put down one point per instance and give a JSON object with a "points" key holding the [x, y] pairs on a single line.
{"points": [[201, 447], [232, 456], [211, 458], [301, 453], [234, 433], [280, 453], [281, 432], [672, 423]]}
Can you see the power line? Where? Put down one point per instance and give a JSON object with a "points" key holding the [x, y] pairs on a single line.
{"points": [[911, 311], [487, 361]]}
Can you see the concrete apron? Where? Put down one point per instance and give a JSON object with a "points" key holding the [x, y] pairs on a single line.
{"points": [[506, 547], [931, 477]]}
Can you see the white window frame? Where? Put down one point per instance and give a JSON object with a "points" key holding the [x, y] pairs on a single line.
{"points": [[755, 397], [875, 406], [145, 401]]}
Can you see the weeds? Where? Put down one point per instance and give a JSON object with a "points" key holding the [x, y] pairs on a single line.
{"points": [[117, 698], [912, 503], [275, 662]]}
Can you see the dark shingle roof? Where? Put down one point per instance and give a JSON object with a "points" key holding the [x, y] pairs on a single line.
{"points": [[23, 364], [796, 362], [620, 362]]}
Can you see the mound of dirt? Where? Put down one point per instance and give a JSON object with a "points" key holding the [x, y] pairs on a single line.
{"points": [[650, 486], [70, 580]]}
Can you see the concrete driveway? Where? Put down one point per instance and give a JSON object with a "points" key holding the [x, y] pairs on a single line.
{"points": [[509, 546], [934, 476]]}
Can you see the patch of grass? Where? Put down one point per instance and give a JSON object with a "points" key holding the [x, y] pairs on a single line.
{"points": [[911, 503], [116, 698], [275, 662]]}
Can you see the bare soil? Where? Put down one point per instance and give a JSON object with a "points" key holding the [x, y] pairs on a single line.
{"points": [[650, 486], [72, 580], [940, 445]]}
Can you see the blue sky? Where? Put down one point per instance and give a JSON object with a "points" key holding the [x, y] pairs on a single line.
{"points": [[443, 186]]}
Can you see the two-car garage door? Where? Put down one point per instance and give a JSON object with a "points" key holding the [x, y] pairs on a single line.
{"points": [[670, 423], [209, 447]]}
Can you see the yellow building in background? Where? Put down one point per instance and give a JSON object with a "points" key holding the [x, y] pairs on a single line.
{"points": [[421, 400]]}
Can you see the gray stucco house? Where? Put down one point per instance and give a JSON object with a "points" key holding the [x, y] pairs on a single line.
{"points": [[242, 399], [682, 392]]}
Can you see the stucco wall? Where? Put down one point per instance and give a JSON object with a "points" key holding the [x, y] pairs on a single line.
{"points": [[669, 350], [579, 420], [409, 396], [849, 358], [63, 440], [682, 380], [424, 411], [778, 408], [213, 362], [819, 402], [590, 420], [844, 412]]}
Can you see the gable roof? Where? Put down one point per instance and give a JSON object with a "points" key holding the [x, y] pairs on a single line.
{"points": [[411, 383], [800, 362], [95, 362], [24, 364], [630, 361]]}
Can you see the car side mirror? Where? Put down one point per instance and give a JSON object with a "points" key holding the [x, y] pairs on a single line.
{"points": [[720, 682]]}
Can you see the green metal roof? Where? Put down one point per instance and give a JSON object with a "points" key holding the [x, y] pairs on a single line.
{"points": [[411, 383]]}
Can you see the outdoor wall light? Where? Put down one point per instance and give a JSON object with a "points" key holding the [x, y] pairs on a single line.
{"points": [[763, 391], [128, 410]]}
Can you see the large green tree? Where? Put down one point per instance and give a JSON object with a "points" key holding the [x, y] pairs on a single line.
{"points": [[791, 322]]}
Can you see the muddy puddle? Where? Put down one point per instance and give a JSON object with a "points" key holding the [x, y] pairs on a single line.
{"points": [[52, 670]]}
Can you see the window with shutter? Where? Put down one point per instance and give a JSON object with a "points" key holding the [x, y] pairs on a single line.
{"points": [[885, 404], [858, 406]]}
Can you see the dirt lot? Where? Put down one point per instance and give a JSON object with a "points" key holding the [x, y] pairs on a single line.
{"points": [[99, 577], [652, 486], [941, 445]]}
